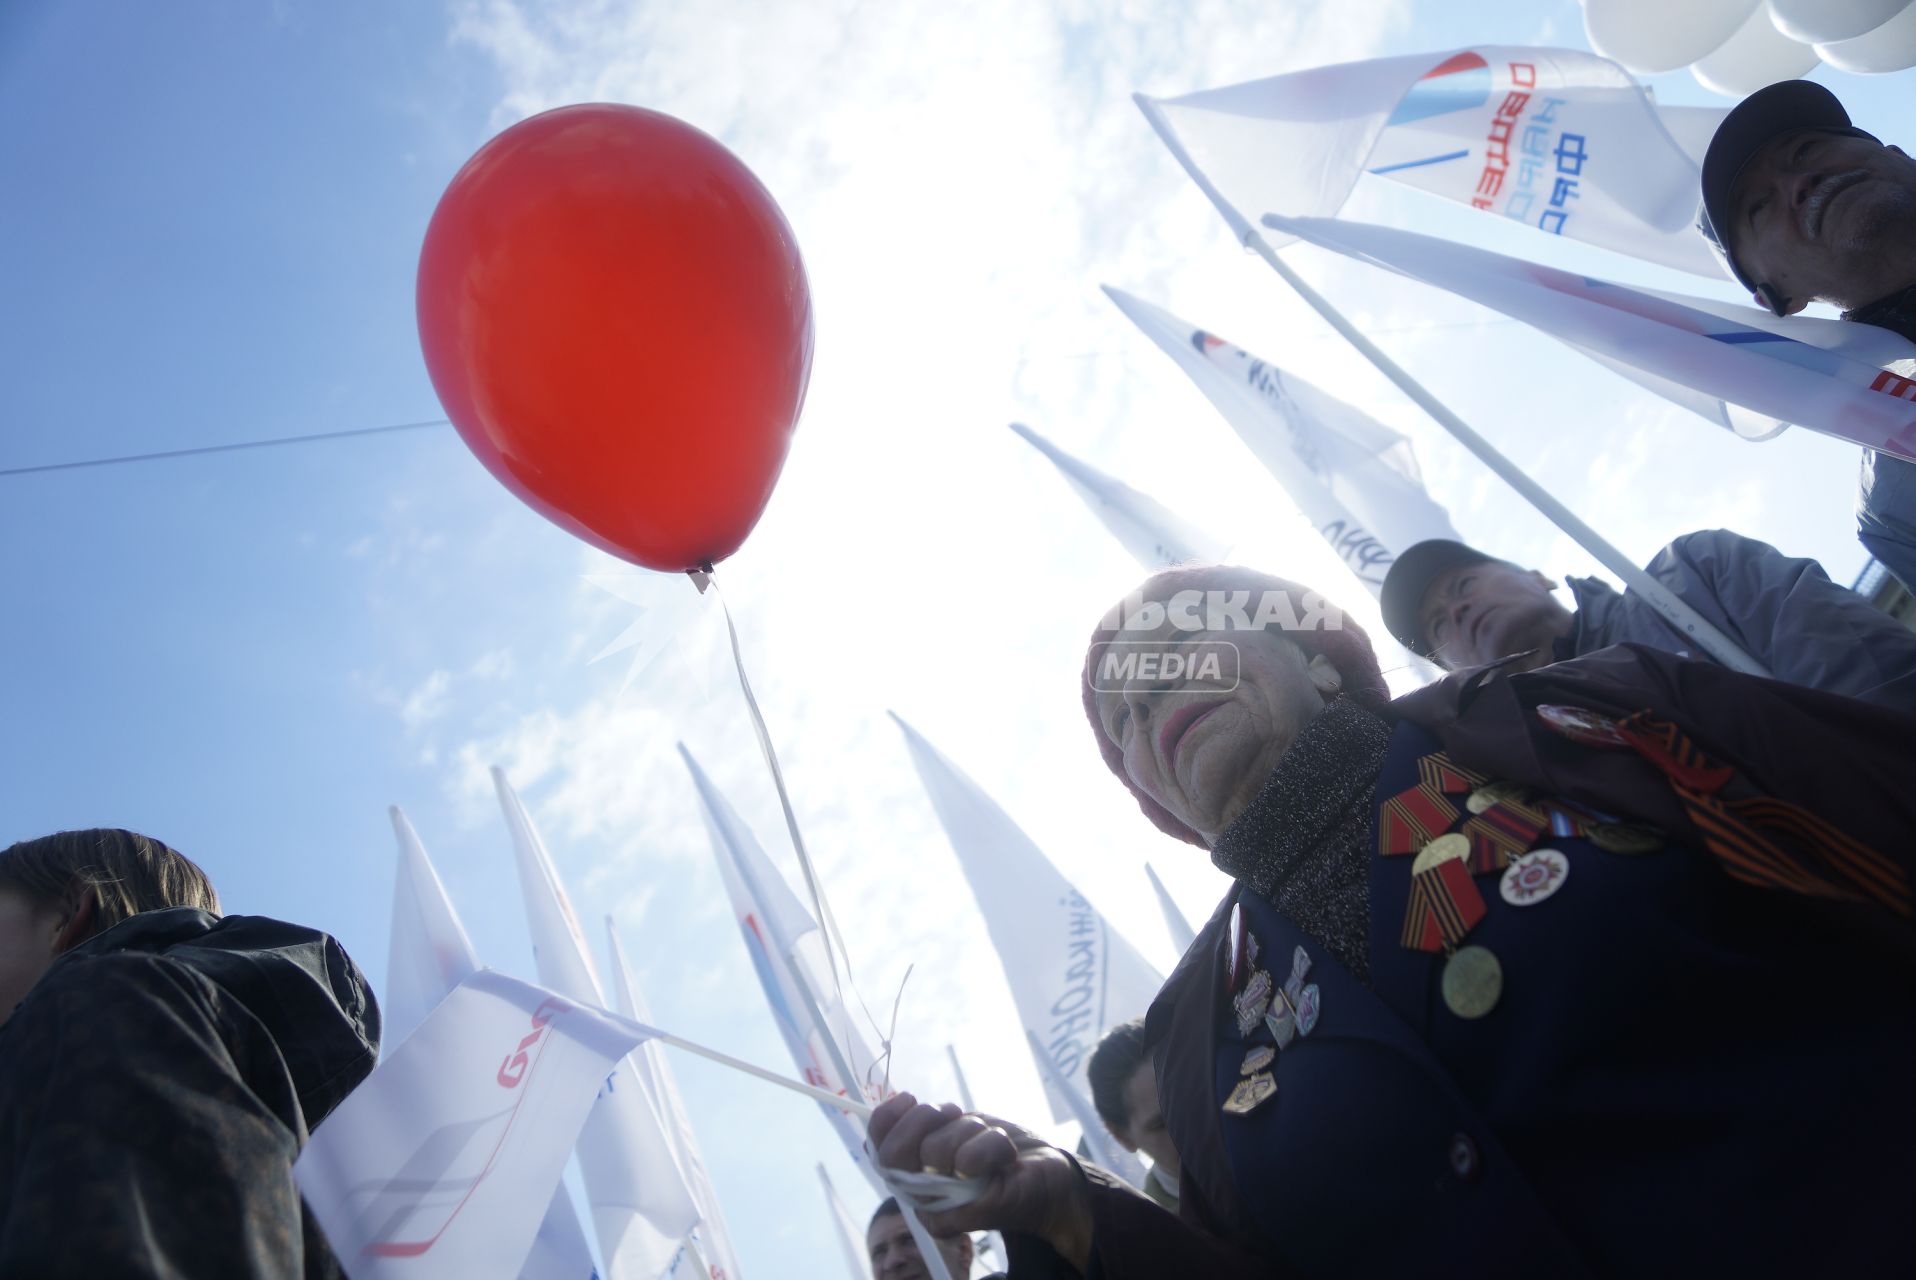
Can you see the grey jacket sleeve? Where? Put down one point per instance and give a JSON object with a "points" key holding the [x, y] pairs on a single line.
{"points": [[1787, 613], [1886, 513]]}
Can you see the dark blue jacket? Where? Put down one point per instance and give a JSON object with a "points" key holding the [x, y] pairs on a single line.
{"points": [[1685, 1075]]}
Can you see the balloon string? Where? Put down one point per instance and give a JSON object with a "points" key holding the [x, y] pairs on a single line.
{"points": [[833, 940]]}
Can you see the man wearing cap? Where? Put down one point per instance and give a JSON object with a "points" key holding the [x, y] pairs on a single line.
{"points": [[1461, 607], [1805, 207]]}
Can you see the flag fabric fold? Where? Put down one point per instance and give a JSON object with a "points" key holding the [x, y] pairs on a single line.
{"points": [[857, 1259], [1825, 375], [1556, 139], [640, 1206], [439, 1165], [1072, 976], [1356, 480], [711, 1238], [429, 956], [1156, 536], [782, 939]]}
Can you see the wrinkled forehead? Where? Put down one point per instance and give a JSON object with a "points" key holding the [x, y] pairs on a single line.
{"points": [[1773, 159]]}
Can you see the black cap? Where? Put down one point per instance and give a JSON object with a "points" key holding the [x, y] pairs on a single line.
{"points": [[1766, 114], [1410, 576]]}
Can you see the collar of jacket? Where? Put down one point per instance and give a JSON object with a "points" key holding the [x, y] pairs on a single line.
{"points": [[1595, 600], [297, 981], [1896, 311]]}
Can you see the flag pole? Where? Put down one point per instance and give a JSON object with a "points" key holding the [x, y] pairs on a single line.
{"points": [[1659, 597]]}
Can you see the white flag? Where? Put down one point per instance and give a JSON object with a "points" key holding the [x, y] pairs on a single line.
{"points": [[1355, 479], [1182, 934], [1825, 375], [712, 1240], [439, 1165], [850, 1238], [1072, 976], [1556, 139], [1155, 536], [641, 1209], [429, 956], [782, 939]]}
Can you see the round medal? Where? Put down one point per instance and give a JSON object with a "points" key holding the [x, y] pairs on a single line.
{"points": [[1492, 794], [1534, 876], [1582, 725], [1442, 849], [1628, 838], [1473, 982]]}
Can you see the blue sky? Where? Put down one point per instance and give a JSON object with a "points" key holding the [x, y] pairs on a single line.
{"points": [[211, 222]]}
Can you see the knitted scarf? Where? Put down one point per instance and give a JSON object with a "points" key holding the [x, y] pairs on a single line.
{"points": [[1304, 843]]}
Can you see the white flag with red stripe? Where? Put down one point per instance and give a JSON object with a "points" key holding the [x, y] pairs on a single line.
{"points": [[441, 1164], [430, 955], [781, 936], [1556, 139]]}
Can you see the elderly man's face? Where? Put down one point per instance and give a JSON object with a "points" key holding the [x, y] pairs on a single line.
{"points": [[1203, 747], [894, 1254], [1478, 613], [1819, 215]]}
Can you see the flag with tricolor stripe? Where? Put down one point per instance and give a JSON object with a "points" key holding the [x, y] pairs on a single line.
{"points": [[1826, 375], [1559, 140]]}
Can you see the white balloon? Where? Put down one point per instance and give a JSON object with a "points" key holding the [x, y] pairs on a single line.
{"points": [[1653, 36], [1757, 55], [1891, 47], [1824, 21]]}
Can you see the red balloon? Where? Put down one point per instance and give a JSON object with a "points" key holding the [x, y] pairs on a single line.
{"points": [[616, 319]]}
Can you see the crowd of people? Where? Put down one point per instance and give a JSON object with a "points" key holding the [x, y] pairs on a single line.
{"points": [[1591, 957]]}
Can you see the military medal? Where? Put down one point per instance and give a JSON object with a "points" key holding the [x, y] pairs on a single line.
{"points": [[1581, 725], [1281, 1021], [1307, 1010], [1501, 832], [1629, 838], [1251, 1093], [1493, 793], [1444, 906], [1439, 850], [1257, 1059], [1253, 1001], [1439, 772], [1300, 969], [1473, 982], [1413, 818], [1534, 877]]}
